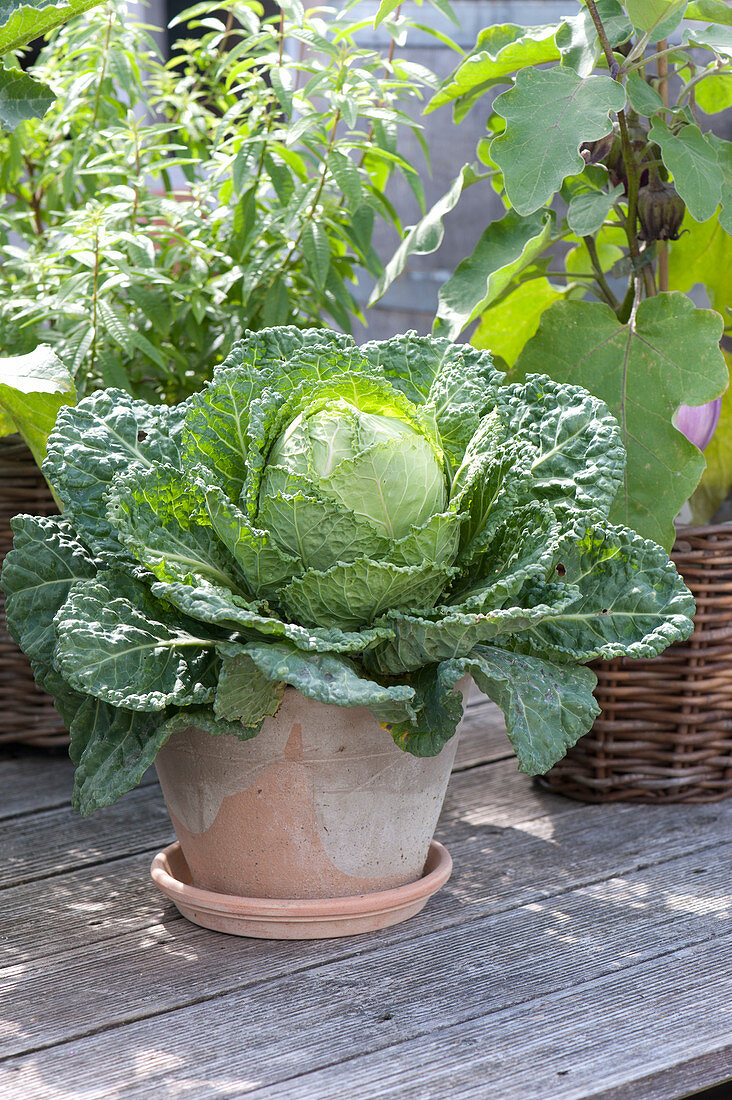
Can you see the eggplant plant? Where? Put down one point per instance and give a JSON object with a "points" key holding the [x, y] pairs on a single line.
{"points": [[618, 194], [366, 524]]}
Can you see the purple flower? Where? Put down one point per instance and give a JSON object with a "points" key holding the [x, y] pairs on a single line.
{"points": [[699, 422]]}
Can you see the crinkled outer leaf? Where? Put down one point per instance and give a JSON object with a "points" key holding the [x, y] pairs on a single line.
{"points": [[33, 388], [112, 749], [456, 384], [631, 602], [504, 249], [216, 432], [243, 693], [66, 701], [549, 113], [260, 560], [578, 455], [21, 98], [446, 632], [547, 707], [716, 480], [220, 607], [525, 548], [439, 710], [667, 355], [333, 680], [318, 532], [426, 236], [37, 575], [118, 643], [159, 515], [21, 21], [102, 436], [436, 541], [352, 595], [692, 161], [500, 51]]}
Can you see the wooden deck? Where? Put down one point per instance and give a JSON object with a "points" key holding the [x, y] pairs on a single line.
{"points": [[578, 952]]}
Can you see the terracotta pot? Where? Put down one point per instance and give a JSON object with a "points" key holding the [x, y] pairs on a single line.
{"points": [[321, 804]]}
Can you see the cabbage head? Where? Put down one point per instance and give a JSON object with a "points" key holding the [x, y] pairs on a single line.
{"points": [[366, 524]]}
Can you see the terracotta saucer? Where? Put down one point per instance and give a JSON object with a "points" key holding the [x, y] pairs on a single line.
{"points": [[292, 919]]}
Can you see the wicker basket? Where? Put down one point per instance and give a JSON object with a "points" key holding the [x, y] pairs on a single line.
{"points": [[665, 732], [26, 713]]}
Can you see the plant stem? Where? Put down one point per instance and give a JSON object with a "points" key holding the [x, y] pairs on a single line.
{"points": [[102, 74], [627, 147], [651, 57], [602, 282], [663, 85], [95, 293]]}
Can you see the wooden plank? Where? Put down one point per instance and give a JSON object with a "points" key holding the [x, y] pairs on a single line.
{"points": [[482, 736], [34, 779], [393, 1015]]}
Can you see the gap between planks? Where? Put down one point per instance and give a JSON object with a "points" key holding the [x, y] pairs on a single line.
{"points": [[578, 941]]}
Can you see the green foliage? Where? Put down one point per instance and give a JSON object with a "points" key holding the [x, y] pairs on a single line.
{"points": [[364, 525], [636, 190], [666, 355], [158, 211], [33, 388]]}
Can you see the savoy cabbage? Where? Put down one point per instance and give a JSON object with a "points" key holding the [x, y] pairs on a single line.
{"points": [[366, 524]]}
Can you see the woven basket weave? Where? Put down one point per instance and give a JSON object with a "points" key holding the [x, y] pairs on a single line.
{"points": [[665, 732], [26, 714]]}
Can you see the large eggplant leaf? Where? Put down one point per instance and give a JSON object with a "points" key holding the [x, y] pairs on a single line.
{"points": [[22, 21], [667, 355], [692, 160], [703, 255], [504, 249], [333, 680], [710, 11], [102, 436], [549, 113], [21, 98], [631, 602], [243, 693], [499, 52], [33, 388], [547, 707], [577, 40], [118, 643], [588, 209], [656, 17], [511, 321], [37, 575]]}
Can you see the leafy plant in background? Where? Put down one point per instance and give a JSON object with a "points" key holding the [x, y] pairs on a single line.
{"points": [[615, 190], [22, 21], [157, 211], [365, 524]]}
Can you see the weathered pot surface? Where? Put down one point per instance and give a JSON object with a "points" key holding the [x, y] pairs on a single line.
{"points": [[320, 804]]}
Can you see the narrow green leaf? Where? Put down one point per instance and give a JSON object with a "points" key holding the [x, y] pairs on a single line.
{"points": [[549, 113], [21, 98], [386, 7]]}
